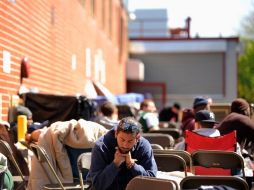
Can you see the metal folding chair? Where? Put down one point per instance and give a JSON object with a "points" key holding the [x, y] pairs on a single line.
{"points": [[151, 183], [165, 140], [175, 133], [156, 147], [56, 183], [20, 180], [182, 153], [170, 162], [194, 182], [217, 159], [84, 163]]}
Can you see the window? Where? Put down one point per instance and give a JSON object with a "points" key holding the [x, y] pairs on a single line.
{"points": [[110, 18], [92, 8]]}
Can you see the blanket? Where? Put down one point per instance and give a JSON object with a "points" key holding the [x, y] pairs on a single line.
{"points": [[76, 134]]}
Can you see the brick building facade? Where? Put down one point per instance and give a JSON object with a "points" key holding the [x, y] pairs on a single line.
{"points": [[67, 44]]}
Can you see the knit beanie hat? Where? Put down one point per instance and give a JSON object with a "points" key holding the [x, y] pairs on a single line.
{"points": [[240, 106], [22, 110]]}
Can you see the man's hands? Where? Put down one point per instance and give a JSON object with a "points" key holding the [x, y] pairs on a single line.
{"points": [[120, 158], [129, 161]]}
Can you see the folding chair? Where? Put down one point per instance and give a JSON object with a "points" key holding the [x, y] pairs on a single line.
{"points": [[156, 147], [84, 163], [175, 133], [194, 182], [151, 183], [20, 180], [166, 141], [183, 154], [194, 141], [170, 162], [43, 158], [217, 159]]}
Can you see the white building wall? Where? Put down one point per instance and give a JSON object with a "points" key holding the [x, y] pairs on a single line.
{"points": [[212, 61]]}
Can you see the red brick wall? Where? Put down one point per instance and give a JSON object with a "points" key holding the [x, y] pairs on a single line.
{"points": [[49, 32]]}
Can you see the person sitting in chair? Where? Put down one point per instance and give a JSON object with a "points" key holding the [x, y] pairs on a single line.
{"points": [[204, 125], [120, 155]]}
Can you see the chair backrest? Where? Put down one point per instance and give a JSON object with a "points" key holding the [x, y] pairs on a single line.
{"points": [[170, 162], [174, 132], [195, 141], [73, 154], [43, 158], [151, 183], [182, 153], [83, 164], [156, 147], [194, 182], [217, 159], [6, 150], [166, 141]]}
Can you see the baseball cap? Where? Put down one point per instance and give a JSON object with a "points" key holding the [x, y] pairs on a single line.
{"points": [[205, 116], [198, 101]]}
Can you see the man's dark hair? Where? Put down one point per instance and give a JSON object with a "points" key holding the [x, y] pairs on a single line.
{"points": [[129, 125], [177, 105], [207, 125], [145, 103], [107, 109]]}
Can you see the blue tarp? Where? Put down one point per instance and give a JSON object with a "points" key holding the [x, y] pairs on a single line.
{"points": [[121, 99]]}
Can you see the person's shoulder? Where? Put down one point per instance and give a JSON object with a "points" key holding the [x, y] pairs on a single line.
{"points": [[107, 138], [235, 118], [143, 142]]}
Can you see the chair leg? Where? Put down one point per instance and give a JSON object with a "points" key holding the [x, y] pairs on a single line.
{"points": [[21, 186]]}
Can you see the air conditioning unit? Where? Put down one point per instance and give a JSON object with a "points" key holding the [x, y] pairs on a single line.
{"points": [[135, 70]]}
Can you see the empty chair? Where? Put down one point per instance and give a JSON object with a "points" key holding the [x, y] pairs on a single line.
{"points": [[174, 132], [194, 182], [73, 154], [151, 183], [170, 162], [184, 154], [56, 183], [166, 141], [83, 163], [21, 180], [217, 159], [156, 147]]}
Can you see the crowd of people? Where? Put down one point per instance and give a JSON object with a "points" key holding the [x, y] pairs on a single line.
{"points": [[120, 152]]}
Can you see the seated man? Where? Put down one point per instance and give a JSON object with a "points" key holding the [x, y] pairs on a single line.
{"points": [[170, 114], [204, 125], [188, 117], [148, 116], [108, 116], [120, 155], [239, 120], [33, 128]]}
